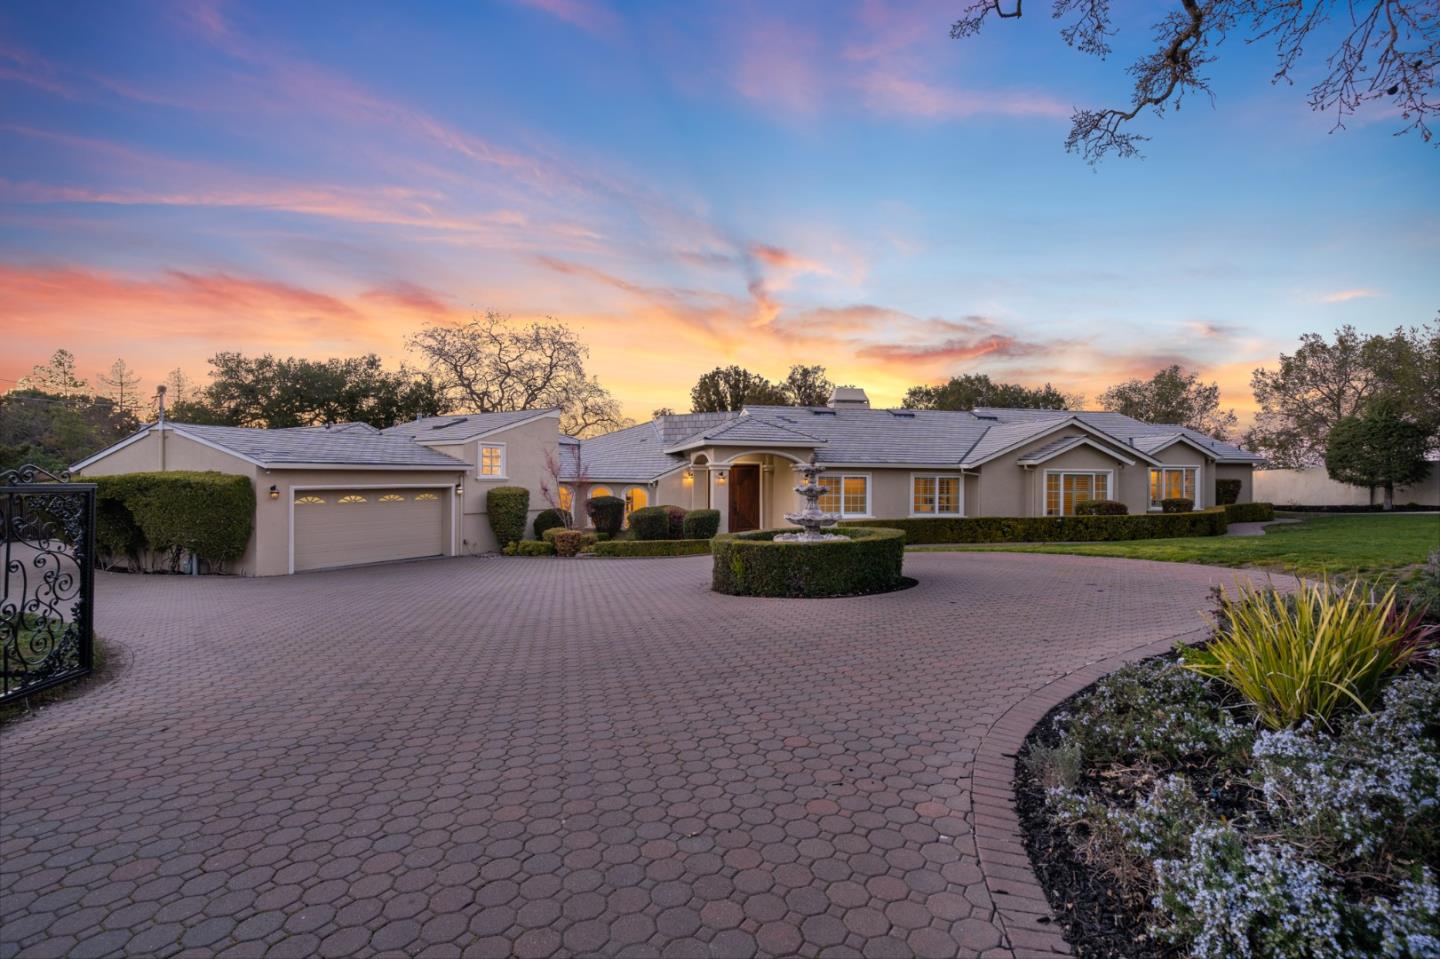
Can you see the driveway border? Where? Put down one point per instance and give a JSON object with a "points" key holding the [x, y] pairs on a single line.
{"points": [[1030, 927]]}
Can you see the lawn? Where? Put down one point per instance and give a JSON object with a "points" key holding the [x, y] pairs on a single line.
{"points": [[1369, 543]]}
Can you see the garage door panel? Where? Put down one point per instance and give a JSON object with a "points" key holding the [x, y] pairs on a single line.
{"points": [[355, 526]]}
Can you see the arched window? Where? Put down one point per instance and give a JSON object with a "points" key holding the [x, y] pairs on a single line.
{"points": [[599, 491], [636, 497], [566, 496]]}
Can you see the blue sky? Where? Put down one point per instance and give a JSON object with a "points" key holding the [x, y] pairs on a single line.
{"points": [[688, 185]]}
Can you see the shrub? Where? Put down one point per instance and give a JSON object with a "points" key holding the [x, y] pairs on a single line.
{"points": [[1250, 512], [1422, 589], [209, 515], [1311, 654], [1055, 529], [650, 523], [507, 508], [607, 514], [662, 547], [1101, 507], [1177, 504], [570, 542], [752, 564], [1227, 491], [676, 515], [529, 547], [588, 538], [548, 519], [701, 524]]}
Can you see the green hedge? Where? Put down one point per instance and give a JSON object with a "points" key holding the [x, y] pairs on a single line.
{"points": [[507, 508], [548, 519], [588, 538], [1101, 507], [529, 547], [752, 564], [607, 514], [632, 548], [650, 523], [1055, 529], [1250, 512], [209, 515], [701, 523]]}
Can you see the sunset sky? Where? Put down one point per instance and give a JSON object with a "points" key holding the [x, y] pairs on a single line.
{"points": [[687, 184]]}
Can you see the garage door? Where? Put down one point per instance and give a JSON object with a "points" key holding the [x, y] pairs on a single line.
{"points": [[348, 527]]}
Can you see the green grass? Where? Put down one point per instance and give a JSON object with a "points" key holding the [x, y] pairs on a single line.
{"points": [[1363, 544]]}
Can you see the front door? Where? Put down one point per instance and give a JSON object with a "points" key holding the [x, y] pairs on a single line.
{"points": [[744, 497]]}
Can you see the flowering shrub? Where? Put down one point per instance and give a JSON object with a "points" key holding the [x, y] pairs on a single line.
{"points": [[1231, 840]]}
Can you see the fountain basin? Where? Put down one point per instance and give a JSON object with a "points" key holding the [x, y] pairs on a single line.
{"points": [[857, 561]]}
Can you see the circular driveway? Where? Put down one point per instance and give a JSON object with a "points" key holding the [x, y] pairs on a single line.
{"points": [[538, 757]]}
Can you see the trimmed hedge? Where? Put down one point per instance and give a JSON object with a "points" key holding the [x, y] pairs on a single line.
{"points": [[1250, 512], [650, 523], [1101, 507], [1177, 504], [1227, 491], [676, 515], [570, 542], [701, 524], [210, 515], [632, 548], [607, 514], [507, 508], [1055, 529], [529, 547], [548, 519], [752, 564], [588, 537]]}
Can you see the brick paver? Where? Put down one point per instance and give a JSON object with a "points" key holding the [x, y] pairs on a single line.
{"points": [[539, 757]]}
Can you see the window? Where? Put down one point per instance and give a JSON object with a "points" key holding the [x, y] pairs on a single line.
{"points": [[392, 498], [935, 495], [599, 491], [566, 497], [635, 498], [422, 497], [849, 495], [1064, 489], [309, 501], [352, 498], [492, 460], [1173, 482]]}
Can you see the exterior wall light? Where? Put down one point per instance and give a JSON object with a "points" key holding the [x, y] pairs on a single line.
{"points": [[459, 489], [689, 476], [274, 491], [720, 477]]}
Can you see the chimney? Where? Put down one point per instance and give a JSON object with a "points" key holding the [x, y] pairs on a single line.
{"points": [[849, 398]]}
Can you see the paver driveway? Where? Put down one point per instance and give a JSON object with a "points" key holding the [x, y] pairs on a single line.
{"points": [[537, 757]]}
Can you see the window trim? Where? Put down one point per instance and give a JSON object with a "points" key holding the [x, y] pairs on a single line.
{"points": [[840, 478], [629, 488], [1199, 468], [1062, 472], [959, 500], [504, 473]]}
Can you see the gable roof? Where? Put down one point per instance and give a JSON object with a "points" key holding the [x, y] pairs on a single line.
{"points": [[1065, 444], [459, 427], [1148, 438], [304, 446], [749, 429]]}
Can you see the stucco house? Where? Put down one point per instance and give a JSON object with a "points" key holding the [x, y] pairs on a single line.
{"points": [[350, 494], [887, 464]]}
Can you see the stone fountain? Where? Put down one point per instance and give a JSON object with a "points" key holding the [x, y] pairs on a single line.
{"points": [[811, 520]]}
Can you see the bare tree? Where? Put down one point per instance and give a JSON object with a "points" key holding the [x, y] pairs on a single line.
{"points": [[558, 477], [122, 386], [490, 365], [178, 385], [1390, 53], [56, 377]]}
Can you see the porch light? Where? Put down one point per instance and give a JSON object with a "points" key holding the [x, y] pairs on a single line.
{"points": [[720, 477], [689, 476], [459, 489], [274, 491]]}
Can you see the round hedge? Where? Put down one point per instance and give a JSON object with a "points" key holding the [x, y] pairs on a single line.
{"points": [[752, 564]]}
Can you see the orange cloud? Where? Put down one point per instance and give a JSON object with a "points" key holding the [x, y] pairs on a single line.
{"points": [[407, 296]]}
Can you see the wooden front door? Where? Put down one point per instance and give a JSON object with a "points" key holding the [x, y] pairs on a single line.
{"points": [[744, 497]]}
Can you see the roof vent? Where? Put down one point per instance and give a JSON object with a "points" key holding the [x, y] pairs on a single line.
{"points": [[457, 422], [820, 412], [849, 398], [904, 414], [987, 416]]}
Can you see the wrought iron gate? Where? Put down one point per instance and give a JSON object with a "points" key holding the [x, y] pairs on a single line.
{"points": [[46, 610]]}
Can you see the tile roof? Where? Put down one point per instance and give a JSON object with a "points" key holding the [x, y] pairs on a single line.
{"points": [[317, 445], [1146, 437], [636, 454], [753, 429], [675, 427], [460, 426]]}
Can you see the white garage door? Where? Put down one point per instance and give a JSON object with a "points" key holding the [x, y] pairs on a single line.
{"points": [[348, 527]]}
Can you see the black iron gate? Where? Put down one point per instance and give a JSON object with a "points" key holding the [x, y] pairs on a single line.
{"points": [[46, 611]]}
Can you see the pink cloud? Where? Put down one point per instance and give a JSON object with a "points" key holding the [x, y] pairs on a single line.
{"points": [[890, 92], [589, 15], [1344, 296]]}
